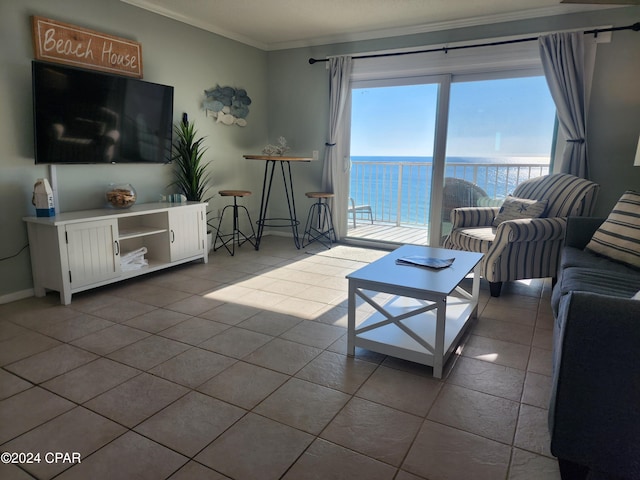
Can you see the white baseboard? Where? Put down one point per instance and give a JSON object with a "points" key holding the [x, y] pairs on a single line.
{"points": [[12, 297]]}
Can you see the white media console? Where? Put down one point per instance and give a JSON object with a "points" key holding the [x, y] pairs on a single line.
{"points": [[77, 251]]}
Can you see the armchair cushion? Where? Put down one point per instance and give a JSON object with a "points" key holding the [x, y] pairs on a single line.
{"points": [[515, 208], [618, 238]]}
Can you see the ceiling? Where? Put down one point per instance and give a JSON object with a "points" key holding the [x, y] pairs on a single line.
{"points": [[279, 24]]}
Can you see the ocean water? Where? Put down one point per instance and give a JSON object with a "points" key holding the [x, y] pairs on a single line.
{"points": [[398, 188]]}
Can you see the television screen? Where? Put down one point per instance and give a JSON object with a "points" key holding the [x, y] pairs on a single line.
{"points": [[82, 116]]}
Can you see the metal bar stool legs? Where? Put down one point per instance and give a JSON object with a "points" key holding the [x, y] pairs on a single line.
{"points": [[234, 237], [319, 226]]}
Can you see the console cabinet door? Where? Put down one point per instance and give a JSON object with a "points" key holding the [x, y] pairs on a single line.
{"points": [[93, 251], [186, 233]]}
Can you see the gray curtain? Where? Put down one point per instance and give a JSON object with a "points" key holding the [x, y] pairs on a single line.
{"points": [[562, 56], [335, 170]]}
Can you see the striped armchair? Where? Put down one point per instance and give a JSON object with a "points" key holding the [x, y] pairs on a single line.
{"points": [[526, 247]]}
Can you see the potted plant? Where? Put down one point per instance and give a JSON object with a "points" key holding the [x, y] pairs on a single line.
{"points": [[192, 178]]}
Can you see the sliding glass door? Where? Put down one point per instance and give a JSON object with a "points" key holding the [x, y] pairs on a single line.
{"points": [[393, 139], [423, 146]]}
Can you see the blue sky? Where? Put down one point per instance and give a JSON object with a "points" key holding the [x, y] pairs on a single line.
{"points": [[491, 118]]}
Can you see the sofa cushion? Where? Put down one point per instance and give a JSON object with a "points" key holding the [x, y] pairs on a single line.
{"points": [[604, 282], [515, 208], [575, 257], [618, 237]]}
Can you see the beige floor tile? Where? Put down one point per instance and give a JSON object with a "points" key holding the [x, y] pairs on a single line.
{"points": [[243, 384], [151, 295], [255, 447], [541, 361], [39, 317], [332, 315], [28, 409], [475, 412], [196, 471], [230, 313], [194, 305], [10, 330], [156, 320], [56, 361], [194, 330], [24, 346], [283, 356], [505, 382], [537, 390], [532, 433], [270, 323], [191, 423], [76, 431], [314, 334], [124, 310], [90, 380], [324, 460], [11, 384], [496, 351], [72, 328], [501, 330], [336, 371], [236, 342], [543, 338], [444, 452], [149, 352], [129, 456], [302, 405], [402, 475], [262, 299], [401, 390], [529, 466], [93, 300], [374, 430], [301, 308], [110, 339], [13, 472], [193, 367], [137, 399]]}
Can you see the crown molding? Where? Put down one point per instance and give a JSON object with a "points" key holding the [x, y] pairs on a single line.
{"points": [[370, 34]]}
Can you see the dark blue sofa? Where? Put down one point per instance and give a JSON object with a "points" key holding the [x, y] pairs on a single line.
{"points": [[594, 414]]}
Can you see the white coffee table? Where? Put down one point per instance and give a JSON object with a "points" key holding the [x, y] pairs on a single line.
{"points": [[428, 312]]}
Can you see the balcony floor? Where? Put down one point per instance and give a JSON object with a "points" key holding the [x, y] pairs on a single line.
{"points": [[387, 233]]}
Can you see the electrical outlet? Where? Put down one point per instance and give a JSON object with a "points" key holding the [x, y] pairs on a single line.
{"points": [[315, 154]]}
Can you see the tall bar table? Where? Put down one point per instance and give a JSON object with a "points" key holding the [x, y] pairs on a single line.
{"points": [[269, 170]]}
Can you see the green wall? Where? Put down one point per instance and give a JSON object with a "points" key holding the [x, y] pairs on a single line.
{"points": [[174, 54], [290, 98], [298, 94]]}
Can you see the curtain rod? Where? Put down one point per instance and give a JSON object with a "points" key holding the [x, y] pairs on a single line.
{"points": [[635, 27]]}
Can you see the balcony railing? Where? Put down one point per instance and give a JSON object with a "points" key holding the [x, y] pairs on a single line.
{"points": [[398, 191]]}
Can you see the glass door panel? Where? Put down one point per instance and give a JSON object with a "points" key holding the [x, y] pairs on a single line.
{"points": [[500, 133], [392, 148]]}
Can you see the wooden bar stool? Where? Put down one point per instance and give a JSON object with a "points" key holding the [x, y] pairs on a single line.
{"points": [[319, 222], [234, 236]]}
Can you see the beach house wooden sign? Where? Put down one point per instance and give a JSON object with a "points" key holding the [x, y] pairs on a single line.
{"points": [[60, 42]]}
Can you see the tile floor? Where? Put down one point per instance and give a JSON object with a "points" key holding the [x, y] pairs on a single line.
{"points": [[237, 369]]}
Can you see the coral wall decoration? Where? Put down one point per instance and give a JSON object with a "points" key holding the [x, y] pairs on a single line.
{"points": [[227, 105]]}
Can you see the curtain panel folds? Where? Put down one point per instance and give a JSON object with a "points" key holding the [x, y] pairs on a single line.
{"points": [[335, 170], [563, 62]]}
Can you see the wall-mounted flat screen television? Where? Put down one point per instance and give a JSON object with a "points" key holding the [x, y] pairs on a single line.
{"points": [[83, 116]]}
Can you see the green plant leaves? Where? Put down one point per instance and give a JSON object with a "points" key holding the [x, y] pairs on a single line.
{"points": [[192, 178]]}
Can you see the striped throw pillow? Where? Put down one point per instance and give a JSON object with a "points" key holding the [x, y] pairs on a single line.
{"points": [[515, 208], [618, 237]]}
